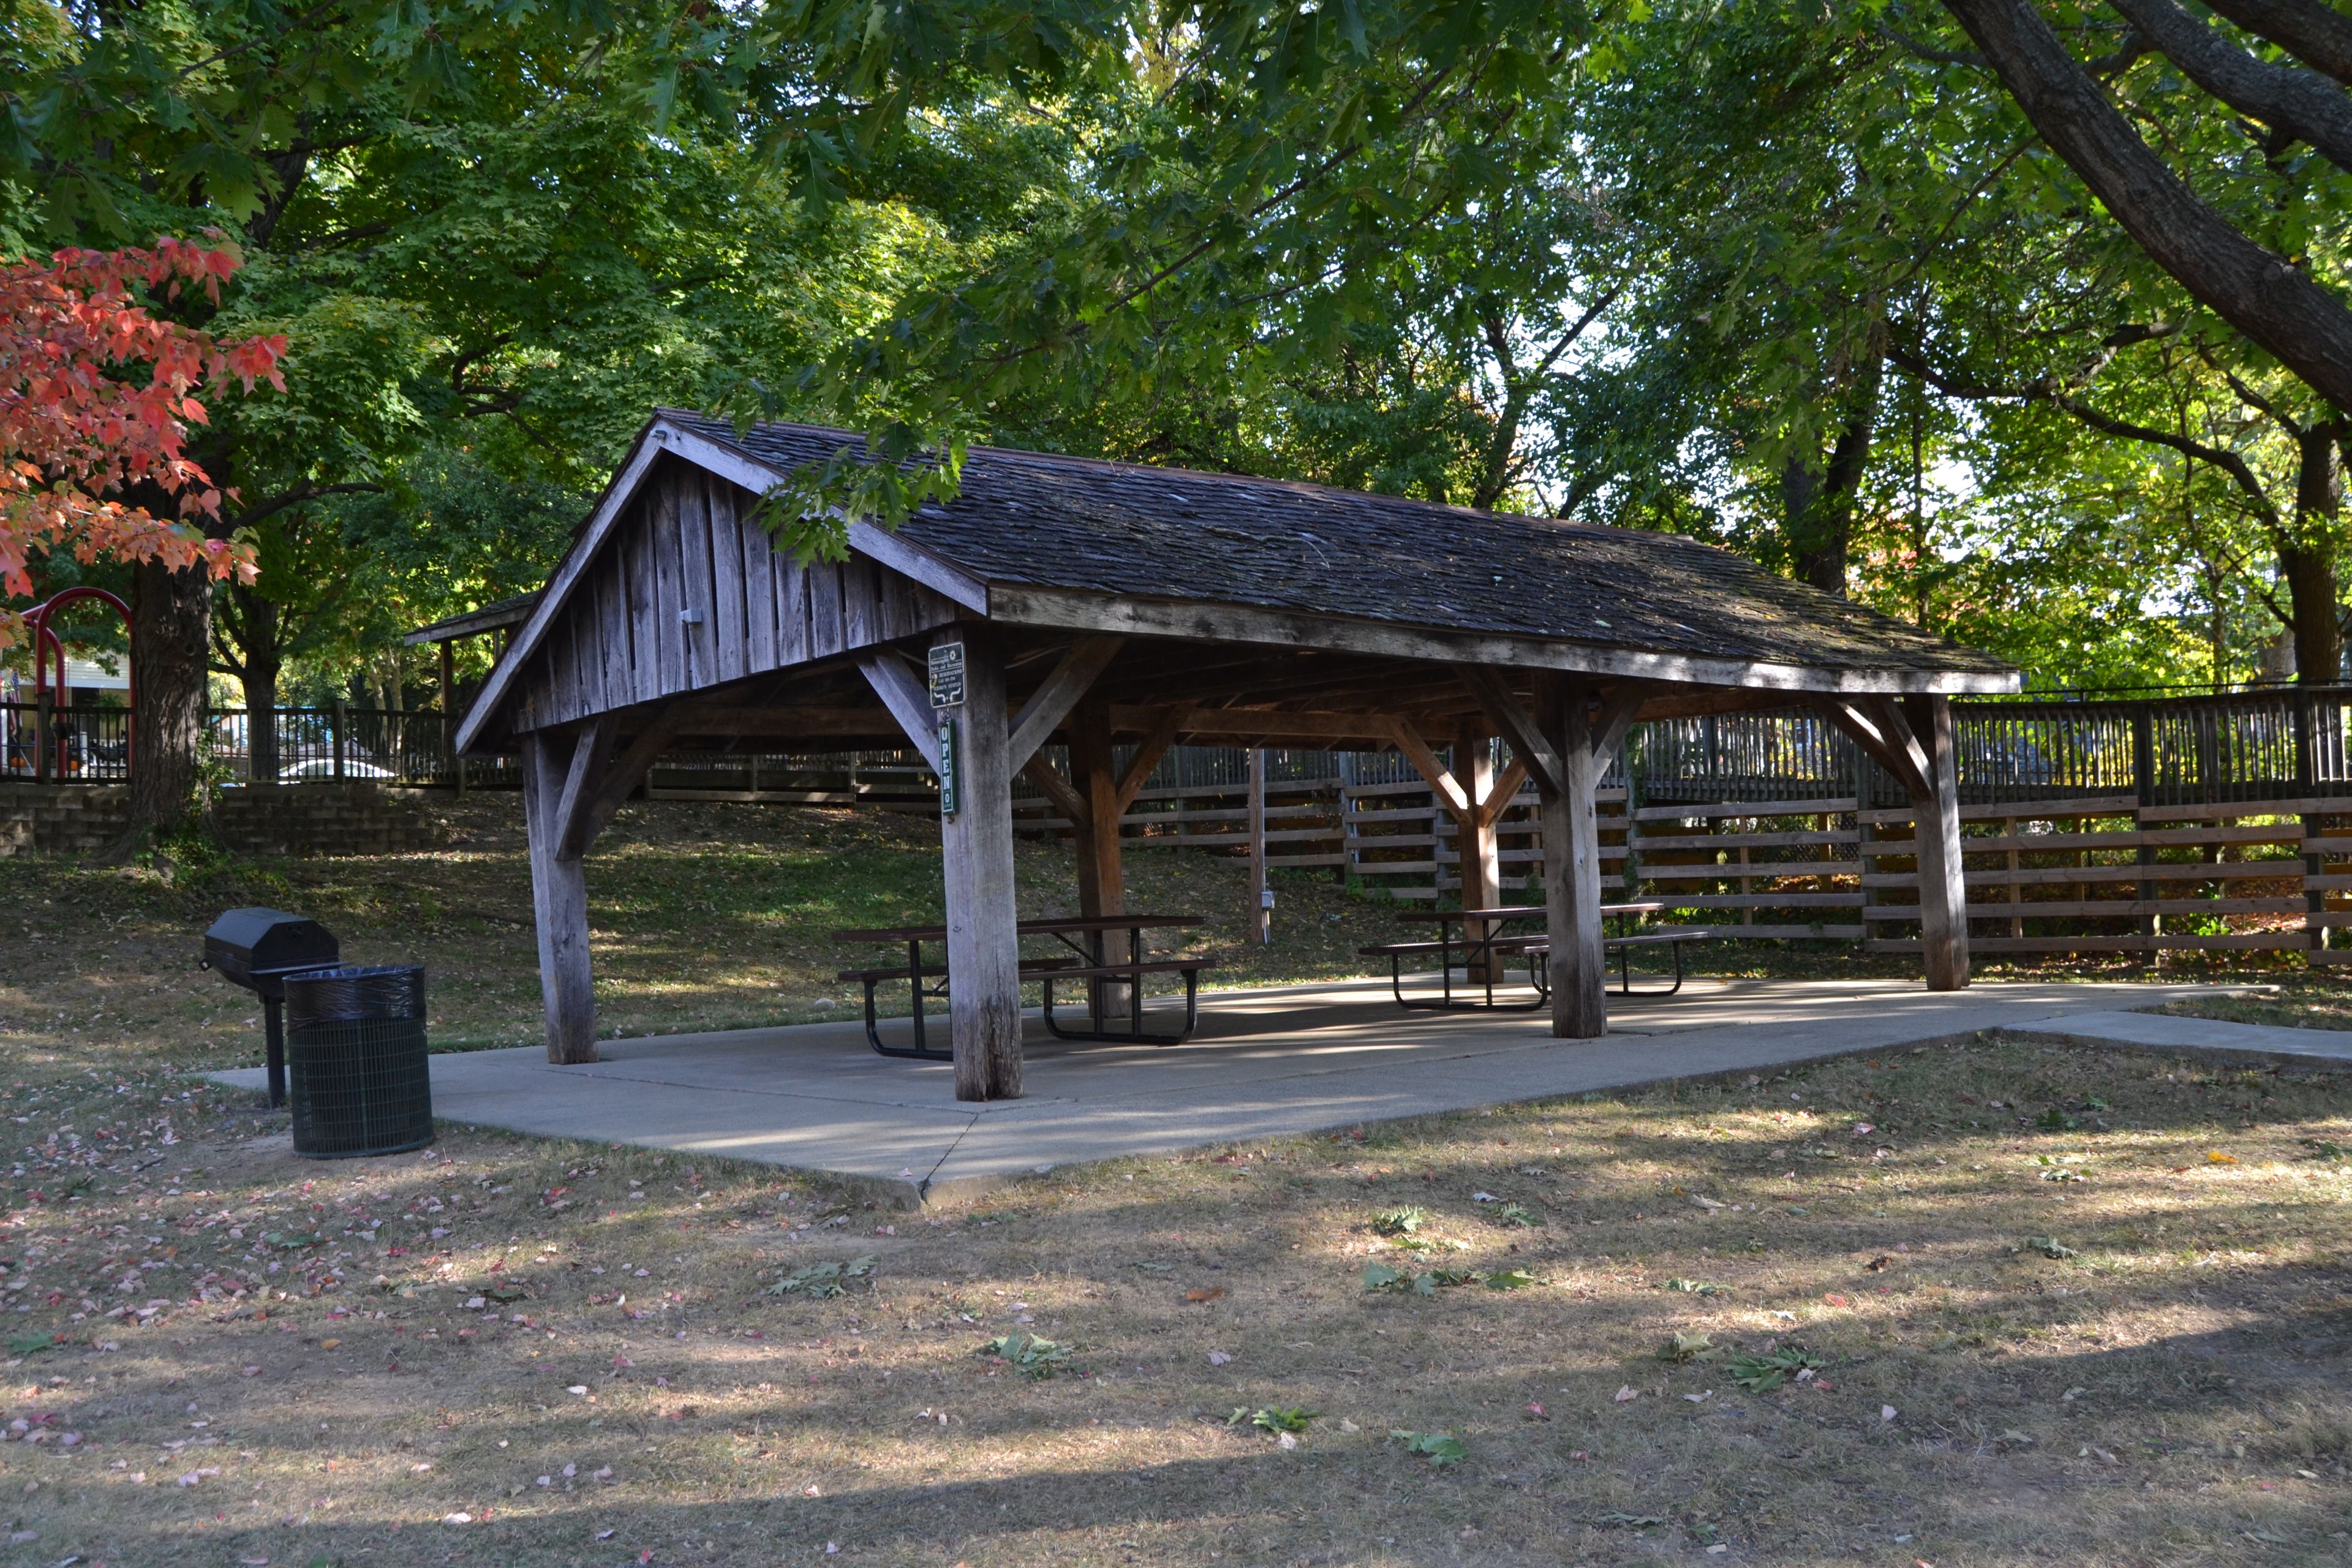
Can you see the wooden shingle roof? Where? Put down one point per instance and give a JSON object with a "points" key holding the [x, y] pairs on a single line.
{"points": [[1132, 531]]}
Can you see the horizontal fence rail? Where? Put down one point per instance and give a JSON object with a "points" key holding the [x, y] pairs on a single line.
{"points": [[2181, 823]]}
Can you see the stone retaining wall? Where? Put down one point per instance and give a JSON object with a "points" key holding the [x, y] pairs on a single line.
{"points": [[348, 819]]}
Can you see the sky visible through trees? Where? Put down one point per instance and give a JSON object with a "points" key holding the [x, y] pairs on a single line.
{"points": [[2023, 321]]}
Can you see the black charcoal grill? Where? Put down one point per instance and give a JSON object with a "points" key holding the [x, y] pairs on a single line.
{"points": [[258, 949]]}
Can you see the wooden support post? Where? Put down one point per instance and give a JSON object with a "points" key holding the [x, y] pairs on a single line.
{"points": [[1482, 864], [2143, 786], [1912, 740], [2016, 900], [448, 673], [1102, 874], [559, 891], [1261, 916], [1942, 888], [1571, 838], [976, 843]]}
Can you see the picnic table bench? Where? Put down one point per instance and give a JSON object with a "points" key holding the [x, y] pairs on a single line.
{"points": [[1086, 959], [1495, 948]]}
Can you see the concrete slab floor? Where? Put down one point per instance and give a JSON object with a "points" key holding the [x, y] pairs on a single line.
{"points": [[1265, 1063]]}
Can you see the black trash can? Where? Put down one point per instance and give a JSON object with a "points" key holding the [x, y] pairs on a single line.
{"points": [[355, 1056]]}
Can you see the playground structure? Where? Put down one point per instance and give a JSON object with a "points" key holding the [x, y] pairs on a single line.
{"points": [[56, 747]]}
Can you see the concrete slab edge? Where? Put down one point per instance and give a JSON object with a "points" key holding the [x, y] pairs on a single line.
{"points": [[2219, 1056]]}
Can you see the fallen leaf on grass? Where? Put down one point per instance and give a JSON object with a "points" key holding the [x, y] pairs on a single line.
{"points": [[1762, 1372], [1686, 1347], [1279, 1419], [1219, 1358], [2049, 1246], [1440, 1449], [1035, 1357], [1429, 1281], [821, 1280], [2215, 1157], [1879, 1264], [1614, 1519], [1694, 1288], [330, 1344], [1205, 1294], [1625, 1393]]}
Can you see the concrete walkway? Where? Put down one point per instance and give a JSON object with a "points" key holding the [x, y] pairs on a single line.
{"points": [[1265, 1063], [2199, 1036]]}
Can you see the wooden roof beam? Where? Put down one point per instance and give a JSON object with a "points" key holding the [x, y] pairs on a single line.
{"points": [[907, 699], [1502, 705], [1077, 610], [1051, 702]]}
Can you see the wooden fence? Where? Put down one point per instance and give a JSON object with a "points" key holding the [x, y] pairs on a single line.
{"points": [[2142, 826], [2171, 824]]}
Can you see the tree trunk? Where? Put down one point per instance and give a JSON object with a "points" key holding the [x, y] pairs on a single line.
{"points": [[1818, 500], [263, 657], [170, 639], [2251, 288], [2307, 561]]}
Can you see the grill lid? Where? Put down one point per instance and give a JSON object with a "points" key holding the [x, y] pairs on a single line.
{"points": [[252, 947]]}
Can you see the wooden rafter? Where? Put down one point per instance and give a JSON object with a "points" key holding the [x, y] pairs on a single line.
{"points": [[1154, 746], [1423, 759], [909, 702], [1051, 702], [1501, 705]]}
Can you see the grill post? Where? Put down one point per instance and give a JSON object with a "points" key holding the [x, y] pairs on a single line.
{"points": [[273, 1024]]}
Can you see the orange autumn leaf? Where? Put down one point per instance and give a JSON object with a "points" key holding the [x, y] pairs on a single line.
{"points": [[78, 427]]}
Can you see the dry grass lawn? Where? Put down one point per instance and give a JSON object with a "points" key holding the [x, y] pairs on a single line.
{"points": [[2059, 1305]]}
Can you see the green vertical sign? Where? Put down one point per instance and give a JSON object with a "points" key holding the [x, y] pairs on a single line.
{"points": [[950, 766]]}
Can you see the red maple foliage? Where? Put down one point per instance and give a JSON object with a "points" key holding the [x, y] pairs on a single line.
{"points": [[77, 424]]}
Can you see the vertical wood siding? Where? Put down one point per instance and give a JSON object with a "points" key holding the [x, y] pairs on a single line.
{"points": [[690, 543]]}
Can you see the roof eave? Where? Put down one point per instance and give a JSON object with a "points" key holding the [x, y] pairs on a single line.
{"points": [[1074, 610]]}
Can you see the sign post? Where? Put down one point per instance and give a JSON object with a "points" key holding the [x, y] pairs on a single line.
{"points": [[947, 687]]}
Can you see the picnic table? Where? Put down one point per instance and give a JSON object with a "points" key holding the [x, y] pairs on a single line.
{"points": [[1487, 947], [1086, 959]]}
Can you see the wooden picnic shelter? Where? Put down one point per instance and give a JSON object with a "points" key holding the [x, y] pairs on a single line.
{"points": [[1099, 604]]}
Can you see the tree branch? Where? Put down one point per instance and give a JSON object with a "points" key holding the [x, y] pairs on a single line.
{"points": [[1913, 362], [2313, 33], [2295, 102], [2255, 291], [295, 497]]}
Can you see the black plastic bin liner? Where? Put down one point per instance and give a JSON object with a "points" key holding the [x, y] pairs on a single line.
{"points": [[356, 1062]]}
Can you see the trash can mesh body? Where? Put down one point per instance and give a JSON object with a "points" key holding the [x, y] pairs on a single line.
{"points": [[355, 1053]]}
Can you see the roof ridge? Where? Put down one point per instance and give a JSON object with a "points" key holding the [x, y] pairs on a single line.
{"points": [[1299, 487]]}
